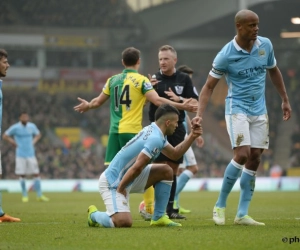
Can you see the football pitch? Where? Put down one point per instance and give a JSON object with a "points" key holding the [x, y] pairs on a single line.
{"points": [[62, 224]]}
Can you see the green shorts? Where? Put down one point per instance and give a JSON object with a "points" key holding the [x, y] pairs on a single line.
{"points": [[114, 145]]}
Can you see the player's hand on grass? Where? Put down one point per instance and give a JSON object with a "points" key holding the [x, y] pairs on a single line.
{"points": [[83, 106]]}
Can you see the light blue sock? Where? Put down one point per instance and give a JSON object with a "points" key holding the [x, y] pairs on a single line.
{"points": [[161, 193], [232, 173], [181, 182], [37, 186], [102, 218], [1, 211], [23, 187], [247, 184]]}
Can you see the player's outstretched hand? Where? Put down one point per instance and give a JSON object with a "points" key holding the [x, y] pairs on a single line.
{"points": [[188, 106], [197, 131], [196, 121], [153, 80], [83, 106]]}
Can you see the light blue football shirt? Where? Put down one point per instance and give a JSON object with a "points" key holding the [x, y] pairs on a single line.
{"points": [[245, 74], [150, 141], [23, 135]]}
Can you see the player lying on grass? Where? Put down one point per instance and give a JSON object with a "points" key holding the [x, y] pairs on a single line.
{"points": [[131, 171]]}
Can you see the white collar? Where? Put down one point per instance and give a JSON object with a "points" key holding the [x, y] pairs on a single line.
{"points": [[257, 43]]}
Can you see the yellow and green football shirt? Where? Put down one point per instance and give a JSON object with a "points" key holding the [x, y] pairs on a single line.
{"points": [[127, 99]]}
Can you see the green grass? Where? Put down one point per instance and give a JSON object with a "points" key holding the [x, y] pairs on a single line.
{"points": [[62, 224]]}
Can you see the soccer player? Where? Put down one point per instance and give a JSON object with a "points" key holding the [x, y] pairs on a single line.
{"points": [[4, 65], [165, 80], [189, 167], [131, 171], [244, 62], [23, 136], [128, 93]]}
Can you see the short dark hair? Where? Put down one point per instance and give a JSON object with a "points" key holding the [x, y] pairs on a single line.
{"points": [[186, 69], [3, 53], [130, 56], [168, 47], [23, 112], [165, 109]]}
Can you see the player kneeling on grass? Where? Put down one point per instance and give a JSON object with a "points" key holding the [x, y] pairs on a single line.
{"points": [[131, 172]]}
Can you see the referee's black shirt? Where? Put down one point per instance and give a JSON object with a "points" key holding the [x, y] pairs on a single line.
{"points": [[180, 83]]}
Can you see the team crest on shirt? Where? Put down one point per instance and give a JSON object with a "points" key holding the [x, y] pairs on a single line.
{"points": [[179, 89], [261, 53]]}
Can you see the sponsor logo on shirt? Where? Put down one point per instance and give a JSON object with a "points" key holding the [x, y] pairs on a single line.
{"points": [[252, 71]]}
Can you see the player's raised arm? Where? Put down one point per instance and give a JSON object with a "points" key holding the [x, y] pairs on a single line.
{"points": [[175, 153], [93, 104]]}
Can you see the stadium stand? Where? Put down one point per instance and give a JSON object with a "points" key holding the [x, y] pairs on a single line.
{"points": [[67, 13]]}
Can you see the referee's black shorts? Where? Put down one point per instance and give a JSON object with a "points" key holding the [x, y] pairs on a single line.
{"points": [[174, 140]]}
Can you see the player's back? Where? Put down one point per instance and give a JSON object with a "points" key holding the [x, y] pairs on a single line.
{"points": [[127, 99]]}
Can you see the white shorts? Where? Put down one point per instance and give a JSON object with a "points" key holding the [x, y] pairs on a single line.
{"points": [[116, 202], [188, 159], [246, 130], [27, 166]]}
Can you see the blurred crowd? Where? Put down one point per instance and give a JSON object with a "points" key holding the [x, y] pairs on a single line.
{"points": [[67, 13]]}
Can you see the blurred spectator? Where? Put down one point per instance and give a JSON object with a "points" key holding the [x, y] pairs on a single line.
{"points": [[276, 170]]}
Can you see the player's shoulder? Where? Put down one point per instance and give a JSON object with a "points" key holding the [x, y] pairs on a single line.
{"points": [[228, 48], [116, 76], [264, 40], [16, 125], [31, 124], [182, 77]]}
